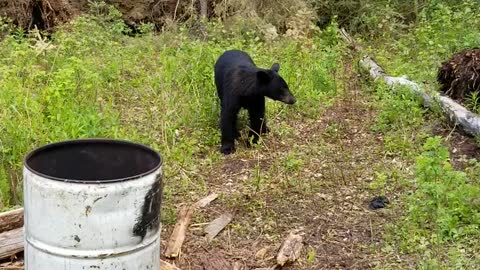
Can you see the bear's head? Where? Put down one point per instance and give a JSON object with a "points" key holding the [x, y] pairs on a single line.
{"points": [[272, 85]]}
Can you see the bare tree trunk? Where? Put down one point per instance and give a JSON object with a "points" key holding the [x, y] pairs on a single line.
{"points": [[203, 9]]}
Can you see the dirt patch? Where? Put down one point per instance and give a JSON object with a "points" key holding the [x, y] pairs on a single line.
{"points": [[313, 178], [462, 148]]}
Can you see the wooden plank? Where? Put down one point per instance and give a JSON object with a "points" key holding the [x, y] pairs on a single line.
{"points": [[11, 243], [206, 201], [216, 226], [11, 220]]}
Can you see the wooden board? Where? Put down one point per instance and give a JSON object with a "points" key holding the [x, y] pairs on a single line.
{"points": [[216, 226], [11, 220], [179, 233], [175, 243], [11, 243]]}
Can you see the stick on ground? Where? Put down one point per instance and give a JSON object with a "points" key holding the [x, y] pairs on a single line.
{"points": [[177, 238]]}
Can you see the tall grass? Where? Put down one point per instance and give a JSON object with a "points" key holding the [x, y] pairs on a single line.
{"points": [[441, 31]]}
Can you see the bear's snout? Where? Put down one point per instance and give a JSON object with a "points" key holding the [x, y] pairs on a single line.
{"points": [[289, 99]]}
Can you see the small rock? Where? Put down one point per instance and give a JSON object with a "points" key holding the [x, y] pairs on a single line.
{"points": [[378, 202]]}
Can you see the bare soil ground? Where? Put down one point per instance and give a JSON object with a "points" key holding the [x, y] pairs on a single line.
{"points": [[325, 194]]}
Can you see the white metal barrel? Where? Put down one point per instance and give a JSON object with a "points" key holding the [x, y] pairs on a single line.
{"points": [[92, 204]]}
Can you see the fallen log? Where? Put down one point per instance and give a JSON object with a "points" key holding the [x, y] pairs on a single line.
{"points": [[455, 113], [11, 220], [11, 268], [11, 243]]}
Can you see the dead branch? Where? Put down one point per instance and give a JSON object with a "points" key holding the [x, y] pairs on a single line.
{"points": [[177, 238]]}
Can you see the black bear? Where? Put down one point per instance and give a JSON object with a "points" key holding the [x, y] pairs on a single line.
{"points": [[241, 84]]}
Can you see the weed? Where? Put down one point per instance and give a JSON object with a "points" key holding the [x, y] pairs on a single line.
{"points": [[473, 101]]}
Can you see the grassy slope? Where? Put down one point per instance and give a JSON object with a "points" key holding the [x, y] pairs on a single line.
{"points": [[438, 229]]}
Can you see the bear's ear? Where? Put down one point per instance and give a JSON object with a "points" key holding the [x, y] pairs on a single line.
{"points": [[263, 77], [276, 67]]}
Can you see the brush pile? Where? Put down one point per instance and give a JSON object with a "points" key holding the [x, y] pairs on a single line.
{"points": [[459, 77]]}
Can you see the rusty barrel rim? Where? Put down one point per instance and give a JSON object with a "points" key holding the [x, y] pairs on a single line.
{"points": [[93, 141]]}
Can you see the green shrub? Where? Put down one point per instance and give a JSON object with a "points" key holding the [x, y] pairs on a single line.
{"points": [[442, 30]]}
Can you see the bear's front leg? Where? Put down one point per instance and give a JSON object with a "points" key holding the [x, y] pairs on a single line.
{"points": [[228, 128], [236, 133], [258, 123]]}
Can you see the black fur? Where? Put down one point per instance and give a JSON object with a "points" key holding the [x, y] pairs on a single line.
{"points": [[240, 84]]}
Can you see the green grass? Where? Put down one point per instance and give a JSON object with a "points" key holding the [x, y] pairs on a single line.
{"points": [[438, 227], [441, 216], [94, 81], [442, 30]]}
